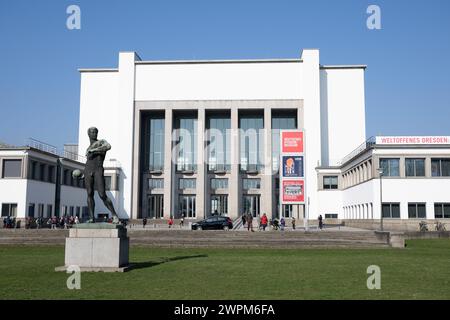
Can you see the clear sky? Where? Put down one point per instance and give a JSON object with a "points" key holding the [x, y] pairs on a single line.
{"points": [[407, 80]]}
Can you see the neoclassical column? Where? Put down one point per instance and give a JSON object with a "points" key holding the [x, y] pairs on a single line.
{"points": [[201, 172], [168, 165], [267, 183], [233, 184]]}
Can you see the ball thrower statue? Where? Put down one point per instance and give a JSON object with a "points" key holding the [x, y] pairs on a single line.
{"points": [[94, 174]]}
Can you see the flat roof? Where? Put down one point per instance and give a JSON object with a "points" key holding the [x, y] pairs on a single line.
{"points": [[344, 66]]}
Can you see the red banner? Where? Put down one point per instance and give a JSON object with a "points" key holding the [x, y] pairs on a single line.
{"points": [[292, 141], [293, 191]]}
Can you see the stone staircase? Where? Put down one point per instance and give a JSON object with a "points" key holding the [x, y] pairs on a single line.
{"points": [[213, 239]]}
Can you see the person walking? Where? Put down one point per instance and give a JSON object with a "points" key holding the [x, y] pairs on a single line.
{"points": [[320, 222], [243, 220], [250, 222], [144, 222], [264, 222], [170, 222], [182, 221], [293, 223], [283, 223], [76, 220]]}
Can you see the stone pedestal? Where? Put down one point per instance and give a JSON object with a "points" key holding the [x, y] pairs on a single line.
{"points": [[97, 247]]}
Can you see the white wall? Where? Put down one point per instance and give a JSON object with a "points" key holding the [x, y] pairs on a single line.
{"points": [[329, 201], [416, 190], [343, 113], [14, 191], [224, 81], [311, 105]]}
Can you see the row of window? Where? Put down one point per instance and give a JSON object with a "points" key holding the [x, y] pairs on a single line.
{"points": [[42, 210], [219, 141], [216, 183], [415, 167], [416, 210]]}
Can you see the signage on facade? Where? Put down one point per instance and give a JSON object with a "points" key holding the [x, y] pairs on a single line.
{"points": [[292, 167], [293, 191], [413, 140], [292, 141]]}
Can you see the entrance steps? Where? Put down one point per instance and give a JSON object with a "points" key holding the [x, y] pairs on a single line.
{"points": [[212, 239]]}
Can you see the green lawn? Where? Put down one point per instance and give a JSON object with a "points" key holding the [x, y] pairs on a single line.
{"points": [[421, 271]]}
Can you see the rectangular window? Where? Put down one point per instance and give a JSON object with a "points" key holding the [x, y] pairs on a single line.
{"points": [[42, 172], [331, 215], [108, 183], [251, 184], [41, 210], [442, 210], [186, 207], [72, 210], [415, 167], [187, 183], [85, 212], [9, 209], [12, 168], [155, 146], [51, 174], [330, 182], [33, 169], [251, 142], [219, 143], [49, 211], [440, 167], [219, 204], [417, 210], [186, 130], [31, 210], [65, 177], [391, 210], [77, 211], [156, 183], [219, 183], [390, 167]]}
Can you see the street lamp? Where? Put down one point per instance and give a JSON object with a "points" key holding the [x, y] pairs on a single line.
{"points": [[380, 171]]}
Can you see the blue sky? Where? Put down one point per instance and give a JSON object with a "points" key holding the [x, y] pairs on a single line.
{"points": [[407, 80]]}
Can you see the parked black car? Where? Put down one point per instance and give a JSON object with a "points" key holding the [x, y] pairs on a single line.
{"points": [[213, 223]]}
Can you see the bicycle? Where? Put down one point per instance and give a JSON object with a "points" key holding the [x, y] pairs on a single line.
{"points": [[440, 226], [423, 226]]}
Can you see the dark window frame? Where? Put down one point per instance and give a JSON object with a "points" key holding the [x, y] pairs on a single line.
{"points": [[18, 176], [416, 210], [330, 185], [414, 161], [391, 205]]}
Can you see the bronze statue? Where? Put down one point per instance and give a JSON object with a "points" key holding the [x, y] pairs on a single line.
{"points": [[94, 173]]}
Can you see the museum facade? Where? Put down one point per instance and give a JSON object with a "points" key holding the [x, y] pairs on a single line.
{"points": [[196, 138]]}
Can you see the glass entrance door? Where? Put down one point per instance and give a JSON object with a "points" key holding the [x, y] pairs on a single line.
{"points": [[155, 206], [251, 204], [219, 205]]}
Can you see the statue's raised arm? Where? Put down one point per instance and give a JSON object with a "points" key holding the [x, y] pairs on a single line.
{"points": [[99, 146]]}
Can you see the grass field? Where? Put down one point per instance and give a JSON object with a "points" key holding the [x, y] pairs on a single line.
{"points": [[421, 271]]}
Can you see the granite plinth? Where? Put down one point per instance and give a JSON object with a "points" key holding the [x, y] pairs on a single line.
{"points": [[97, 249]]}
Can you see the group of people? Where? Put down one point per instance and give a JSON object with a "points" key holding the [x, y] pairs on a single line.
{"points": [[276, 224], [63, 222], [9, 222]]}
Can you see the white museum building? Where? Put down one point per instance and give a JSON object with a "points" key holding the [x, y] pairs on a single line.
{"points": [[197, 138]]}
